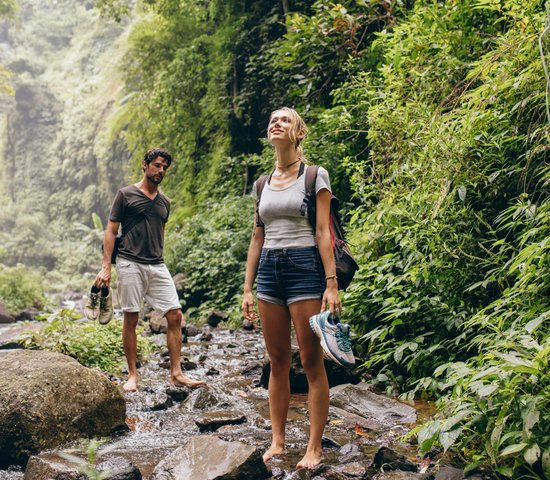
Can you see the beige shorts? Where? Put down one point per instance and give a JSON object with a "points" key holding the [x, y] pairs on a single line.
{"points": [[137, 281]]}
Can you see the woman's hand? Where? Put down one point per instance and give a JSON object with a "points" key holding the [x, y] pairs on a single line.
{"points": [[248, 307], [331, 299]]}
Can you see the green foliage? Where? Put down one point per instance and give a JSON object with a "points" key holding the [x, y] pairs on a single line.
{"points": [[21, 288], [92, 344], [209, 249]]}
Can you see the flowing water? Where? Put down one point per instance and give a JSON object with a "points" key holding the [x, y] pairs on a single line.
{"points": [[231, 364]]}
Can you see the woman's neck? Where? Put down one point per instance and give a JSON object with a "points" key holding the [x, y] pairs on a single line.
{"points": [[286, 156]]}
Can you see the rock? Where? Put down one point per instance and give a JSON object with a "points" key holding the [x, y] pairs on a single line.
{"points": [[179, 282], [449, 473], [201, 399], [211, 421], [47, 399], [249, 326], [206, 337], [188, 365], [358, 470], [349, 453], [5, 316], [27, 314], [215, 317], [178, 394], [210, 458], [192, 330], [12, 335], [396, 475], [336, 374], [252, 368], [53, 466], [391, 460], [158, 323], [157, 401], [378, 410], [212, 371]]}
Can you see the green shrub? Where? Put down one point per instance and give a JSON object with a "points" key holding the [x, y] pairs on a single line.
{"points": [[20, 288], [92, 344], [210, 250]]}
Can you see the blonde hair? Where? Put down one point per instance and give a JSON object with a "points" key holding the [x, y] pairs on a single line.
{"points": [[297, 126]]}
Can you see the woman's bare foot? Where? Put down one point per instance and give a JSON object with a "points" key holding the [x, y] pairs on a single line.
{"points": [[131, 384], [311, 459], [180, 380], [273, 451]]}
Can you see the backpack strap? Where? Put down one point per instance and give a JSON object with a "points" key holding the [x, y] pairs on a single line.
{"points": [[310, 200], [260, 184]]}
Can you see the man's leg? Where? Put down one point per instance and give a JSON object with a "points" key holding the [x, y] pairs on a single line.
{"points": [[173, 340], [129, 341]]}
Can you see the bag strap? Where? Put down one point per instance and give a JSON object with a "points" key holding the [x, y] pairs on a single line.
{"points": [[260, 184], [310, 179]]}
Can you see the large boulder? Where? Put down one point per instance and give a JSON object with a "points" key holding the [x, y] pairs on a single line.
{"points": [[210, 458], [47, 399]]}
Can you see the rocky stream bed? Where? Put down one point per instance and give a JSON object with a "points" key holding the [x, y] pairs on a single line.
{"points": [[220, 432]]}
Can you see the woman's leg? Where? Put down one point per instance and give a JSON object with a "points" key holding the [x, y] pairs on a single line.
{"points": [[276, 331], [311, 355]]}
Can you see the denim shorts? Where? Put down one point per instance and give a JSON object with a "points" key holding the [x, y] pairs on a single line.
{"points": [[288, 275]]}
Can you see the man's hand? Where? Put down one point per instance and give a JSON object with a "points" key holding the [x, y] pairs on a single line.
{"points": [[103, 278]]}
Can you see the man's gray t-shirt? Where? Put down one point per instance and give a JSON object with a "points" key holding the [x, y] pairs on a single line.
{"points": [[284, 226], [144, 242]]}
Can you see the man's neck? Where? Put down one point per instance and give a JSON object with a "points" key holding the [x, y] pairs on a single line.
{"points": [[147, 187]]}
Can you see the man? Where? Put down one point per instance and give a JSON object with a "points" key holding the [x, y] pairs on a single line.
{"points": [[143, 211]]}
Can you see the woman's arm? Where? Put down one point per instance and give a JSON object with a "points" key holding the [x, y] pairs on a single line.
{"points": [[252, 260], [331, 299]]}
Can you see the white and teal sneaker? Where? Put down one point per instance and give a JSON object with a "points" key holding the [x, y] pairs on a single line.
{"points": [[334, 336]]}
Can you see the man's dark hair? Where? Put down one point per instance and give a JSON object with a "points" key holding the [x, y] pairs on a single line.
{"points": [[153, 153]]}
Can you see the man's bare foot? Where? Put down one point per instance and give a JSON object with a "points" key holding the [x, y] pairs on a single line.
{"points": [[180, 380], [273, 451], [311, 459], [131, 385]]}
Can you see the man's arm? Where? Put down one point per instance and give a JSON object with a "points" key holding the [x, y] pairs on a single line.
{"points": [[103, 278]]}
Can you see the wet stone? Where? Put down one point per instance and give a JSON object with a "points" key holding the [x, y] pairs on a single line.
{"points": [[379, 410], [391, 460], [449, 473], [188, 365], [178, 394], [206, 337], [249, 326], [157, 401], [201, 399], [192, 330], [221, 459], [215, 317], [212, 371], [252, 368], [55, 466], [400, 476], [349, 453], [211, 421]]}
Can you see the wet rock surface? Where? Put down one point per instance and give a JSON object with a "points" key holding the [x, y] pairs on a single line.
{"points": [[162, 419], [67, 466], [47, 399], [210, 458]]}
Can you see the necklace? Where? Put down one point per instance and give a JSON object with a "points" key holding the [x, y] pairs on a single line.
{"points": [[285, 168]]}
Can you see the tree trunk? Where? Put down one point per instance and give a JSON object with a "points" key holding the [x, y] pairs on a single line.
{"points": [[284, 4]]}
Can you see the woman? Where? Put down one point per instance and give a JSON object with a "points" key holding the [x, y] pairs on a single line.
{"points": [[293, 284]]}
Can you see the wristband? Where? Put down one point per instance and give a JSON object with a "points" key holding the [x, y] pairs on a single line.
{"points": [[330, 277]]}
